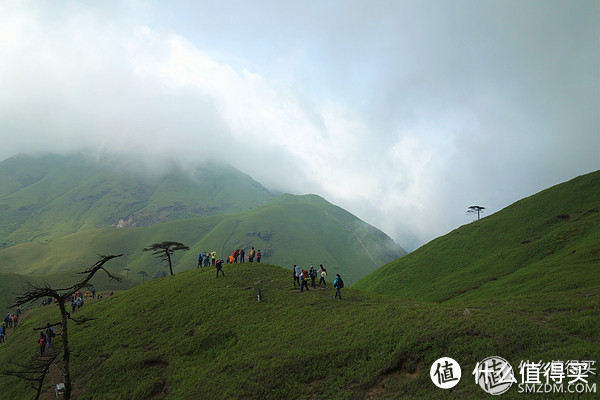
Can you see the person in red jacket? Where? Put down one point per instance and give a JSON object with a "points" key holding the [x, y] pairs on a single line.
{"points": [[42, 342], [304, 280]]}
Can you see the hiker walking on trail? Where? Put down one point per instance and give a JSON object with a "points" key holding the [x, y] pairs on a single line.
{"points": [[219, 267], [42, 342], [50, 335], [199, 261], [236, 254], [338, 283], [296, 274], [251, 255], [242, 255], [2, 332], [213, 257], [15, 321], [258, 255], [313, 275], [304, 280], [323, 273]]}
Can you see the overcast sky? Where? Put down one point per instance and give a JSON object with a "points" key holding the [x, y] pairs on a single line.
{"points": [[403, 112]]}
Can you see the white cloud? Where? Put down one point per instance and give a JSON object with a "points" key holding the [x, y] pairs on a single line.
{"points": [[403, 113]]}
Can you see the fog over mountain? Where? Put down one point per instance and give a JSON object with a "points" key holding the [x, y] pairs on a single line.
{"points": [[402, 112]]}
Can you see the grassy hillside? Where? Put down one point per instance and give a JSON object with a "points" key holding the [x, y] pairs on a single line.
{"points": [[289, 230], [545, 243], [45, 197], [12, 285], [193, 336]]}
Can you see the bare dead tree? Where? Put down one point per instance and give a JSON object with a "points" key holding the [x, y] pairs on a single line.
{"points": [[475, 210], [34, 373], [165, 250], [35, 292]]}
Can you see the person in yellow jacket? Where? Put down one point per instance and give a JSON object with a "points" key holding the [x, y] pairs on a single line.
{"points": [[323, 272], [213, 257]]}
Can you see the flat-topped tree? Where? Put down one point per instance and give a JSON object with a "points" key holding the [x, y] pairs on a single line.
{"points": [[475, 210], [165, 250]]}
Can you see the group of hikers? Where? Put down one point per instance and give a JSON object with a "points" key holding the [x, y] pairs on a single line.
{"points": [[210, 259], [45, 339], [10, 321], [302, 276]]}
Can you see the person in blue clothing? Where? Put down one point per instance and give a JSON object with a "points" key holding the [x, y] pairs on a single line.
{"points": [[338, 283], [200, 264]]}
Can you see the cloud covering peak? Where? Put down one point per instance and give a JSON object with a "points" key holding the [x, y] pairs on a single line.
{"points": [[404, 113]]}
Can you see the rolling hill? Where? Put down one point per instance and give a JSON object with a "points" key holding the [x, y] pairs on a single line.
{"points": [[194, 336], [48, 196], [289, 230], [545, 243]]}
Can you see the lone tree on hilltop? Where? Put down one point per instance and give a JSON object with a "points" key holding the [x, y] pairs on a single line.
{"points": [[61, 296], [475, 210], [165, 250], [143, 274]]}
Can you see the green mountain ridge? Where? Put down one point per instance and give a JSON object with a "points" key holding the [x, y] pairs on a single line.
{"points": [[49, 196], [59, 212], [289, 230], [546, 242]]}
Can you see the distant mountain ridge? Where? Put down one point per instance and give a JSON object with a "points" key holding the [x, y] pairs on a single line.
{"points": [[60, 212], [48, 196]]}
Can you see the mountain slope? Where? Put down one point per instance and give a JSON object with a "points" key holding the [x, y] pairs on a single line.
{"points": [[192, 336], [12, 285], [547, 242], [289, 230], [45, 197]]}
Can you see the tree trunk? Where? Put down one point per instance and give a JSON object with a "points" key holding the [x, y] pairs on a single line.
{"points": [[66, 352], [170, 265]]}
